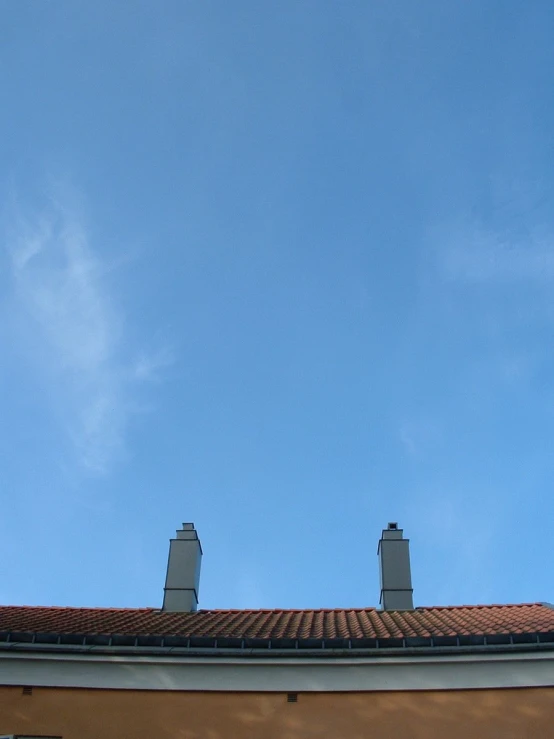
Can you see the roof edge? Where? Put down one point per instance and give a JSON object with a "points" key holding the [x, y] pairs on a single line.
{"points": [[357, 609]]}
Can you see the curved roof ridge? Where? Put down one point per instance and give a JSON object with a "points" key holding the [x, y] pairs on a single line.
{"points": [[120, 609], [480, 605]]}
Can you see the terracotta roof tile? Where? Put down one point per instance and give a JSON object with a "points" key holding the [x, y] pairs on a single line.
{"points": [[290, 624]]}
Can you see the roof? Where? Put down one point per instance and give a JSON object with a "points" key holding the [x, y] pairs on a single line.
{"points": [[339, 628]]}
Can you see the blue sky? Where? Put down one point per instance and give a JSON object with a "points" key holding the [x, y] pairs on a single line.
{"points": [[286, 271]]}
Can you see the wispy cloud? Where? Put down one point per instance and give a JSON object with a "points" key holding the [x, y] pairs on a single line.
{"points": [[473, 252], [419, 435], [150, 367], [493, 281], [453, 546], [59, 287]]}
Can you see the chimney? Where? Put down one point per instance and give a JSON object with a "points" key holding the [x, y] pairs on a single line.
{"points": [[183, 571], [394, 570]]}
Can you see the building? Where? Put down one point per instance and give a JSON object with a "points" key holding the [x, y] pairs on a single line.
{"points": [[179, 672]]}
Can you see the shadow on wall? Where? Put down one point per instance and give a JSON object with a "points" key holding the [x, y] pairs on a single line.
{"points": [[514, 713], [126, 714]]}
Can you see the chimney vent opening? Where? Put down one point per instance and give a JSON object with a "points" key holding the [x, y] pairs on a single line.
{"points": [[393, 526]]}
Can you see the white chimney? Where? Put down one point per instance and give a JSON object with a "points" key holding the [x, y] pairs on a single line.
{"points": [[394, 570], [183, 571]]}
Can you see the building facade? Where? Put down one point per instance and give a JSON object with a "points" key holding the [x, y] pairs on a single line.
{"points": [[78, 673]]}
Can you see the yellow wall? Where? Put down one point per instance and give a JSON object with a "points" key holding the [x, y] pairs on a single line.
{"points": [[526, 713]]}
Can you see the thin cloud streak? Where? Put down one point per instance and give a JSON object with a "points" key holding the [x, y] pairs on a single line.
{"points": [[446, 522], [419, 436], [478, 256], [149, 367], [59, 287]]}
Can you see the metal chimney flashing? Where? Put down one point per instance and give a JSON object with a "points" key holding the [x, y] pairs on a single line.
{"points": [[182, 580], [394, 570]]}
